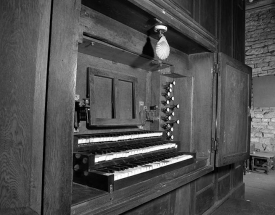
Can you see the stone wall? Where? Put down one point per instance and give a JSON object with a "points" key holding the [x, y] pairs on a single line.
{"points": [[260, 41], [263, 129], [260, 56]]}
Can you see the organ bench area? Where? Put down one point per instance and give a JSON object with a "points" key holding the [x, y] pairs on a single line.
{"points": [[95, 121]]}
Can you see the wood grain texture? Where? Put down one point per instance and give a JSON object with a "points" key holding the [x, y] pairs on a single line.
{"points": [[120, 100], [174, 203], [205, 181], [201, 65], [60, 106], [161, 205], [114, 33], [239, 25], [115, 69], [16, 211], [205, 200], [182, 201], [140, 15], [233, 118], [184, 96], [225, 26], [23, 63], [186, 6], [128, 198], [224, 186], [206, 13], [237, 175]]}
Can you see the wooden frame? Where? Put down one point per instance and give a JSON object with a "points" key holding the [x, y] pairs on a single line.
{"points": [[115, 119]]}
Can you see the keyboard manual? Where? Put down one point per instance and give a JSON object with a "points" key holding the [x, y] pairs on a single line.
{"points": [[113, 161]]}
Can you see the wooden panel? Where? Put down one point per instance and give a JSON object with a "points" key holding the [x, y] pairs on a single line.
{"points": [[23, 64], [223, 170], [237, 175], [225, 26], [103, 97], [174, 202], [60, 107], [133, 196], [106, 29], [238, 29], [186, 6], [183, 96], [205, 13], [223, 187], [182, 202], [16, 211], [87, 61], [208, 16], [238, 191], [201, 65], [140, 15], [159, 205], [155, 97], [204, 181], [205, 200], [233, 121], [116, 54], [125, 100], [121, 97]]}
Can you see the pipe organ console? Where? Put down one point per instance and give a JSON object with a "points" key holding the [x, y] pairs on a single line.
{"points": [[111, 161]]}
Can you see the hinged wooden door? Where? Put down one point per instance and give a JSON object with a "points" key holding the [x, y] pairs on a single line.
{"points": [[204, 103], [233, 115]]}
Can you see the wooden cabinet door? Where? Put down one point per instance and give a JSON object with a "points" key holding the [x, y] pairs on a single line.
{"points": [[233, 111], [203, 103]]}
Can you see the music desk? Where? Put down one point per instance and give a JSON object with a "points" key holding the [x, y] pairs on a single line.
{"points": [[262, 160]]}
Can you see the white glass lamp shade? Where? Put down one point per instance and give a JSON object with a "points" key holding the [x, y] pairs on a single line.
{"points": [[162, 48]]}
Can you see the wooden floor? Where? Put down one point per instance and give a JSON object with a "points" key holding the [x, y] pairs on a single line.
{"points": [[259, 196]]}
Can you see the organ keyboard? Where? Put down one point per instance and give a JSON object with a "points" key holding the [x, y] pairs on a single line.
{"points": [[115, 160]]}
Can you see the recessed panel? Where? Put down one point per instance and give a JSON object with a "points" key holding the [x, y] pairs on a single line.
{"points": [[112, 98], [236, 104], [103, 97], [125, 100]]}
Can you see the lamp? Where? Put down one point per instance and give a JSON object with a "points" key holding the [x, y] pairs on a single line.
{"points": [[162, 47]]}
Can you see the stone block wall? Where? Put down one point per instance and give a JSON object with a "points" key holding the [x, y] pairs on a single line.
{"points": [[263, 129], [260, 41], [260, 56]]}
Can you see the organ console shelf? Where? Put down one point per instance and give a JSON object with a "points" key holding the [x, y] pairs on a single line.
{"points": [[113, 161]]}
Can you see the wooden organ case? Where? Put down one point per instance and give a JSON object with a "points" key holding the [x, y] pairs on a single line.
{"points": [[86, 124], [144, 124]]}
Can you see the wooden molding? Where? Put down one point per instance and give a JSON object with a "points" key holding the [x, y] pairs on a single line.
{"points": [[180, 21]]}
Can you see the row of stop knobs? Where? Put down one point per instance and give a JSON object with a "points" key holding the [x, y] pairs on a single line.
{"points": [[168, 110]]}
